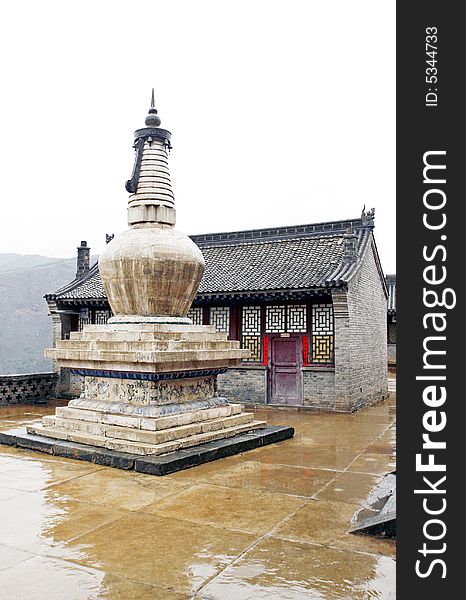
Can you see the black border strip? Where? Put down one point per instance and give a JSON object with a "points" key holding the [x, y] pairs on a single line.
{"points": [[436, 127]]}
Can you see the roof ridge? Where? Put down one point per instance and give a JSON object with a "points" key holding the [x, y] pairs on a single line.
{"points": [[278, 233], [253, 242]]}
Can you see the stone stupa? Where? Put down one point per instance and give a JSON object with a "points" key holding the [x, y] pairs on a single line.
{"points": [[150, 398]]}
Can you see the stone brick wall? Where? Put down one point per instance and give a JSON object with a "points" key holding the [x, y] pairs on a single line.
{"points": [[244, 384], [318, 388], [16, 389], [248, 385], [361, 340]]}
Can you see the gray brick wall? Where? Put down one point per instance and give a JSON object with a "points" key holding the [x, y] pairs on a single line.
{"points": [[361, 341], [318, 389], [17, 389], [249, 385], [244, 384]]}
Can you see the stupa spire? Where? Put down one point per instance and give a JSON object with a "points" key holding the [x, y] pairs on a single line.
{"points": [[152, 119], [151, 196], [151, 272]]}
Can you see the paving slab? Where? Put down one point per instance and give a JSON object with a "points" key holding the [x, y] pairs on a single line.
{"points": [[272, 522]]}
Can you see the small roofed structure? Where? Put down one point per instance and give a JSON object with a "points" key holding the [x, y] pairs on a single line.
{"points": [[309, 302]]}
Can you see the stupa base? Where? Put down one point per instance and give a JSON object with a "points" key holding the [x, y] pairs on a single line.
{"points": [[145, 435], [153, 465], [149, 390]]}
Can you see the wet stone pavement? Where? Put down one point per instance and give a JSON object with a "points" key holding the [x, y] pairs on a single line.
{"points": [[267, 524]]}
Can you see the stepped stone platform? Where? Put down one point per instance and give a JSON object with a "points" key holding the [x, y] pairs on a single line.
{"points": [[145, 435], [147, 348], [150, 400], [162, 464]]}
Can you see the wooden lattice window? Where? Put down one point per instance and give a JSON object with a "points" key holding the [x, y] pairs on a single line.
{"points": [[289, 318], [251, 332], [220, 317], [275, 319], [102, 316], [296, 318], [322, 334], [195, 314]]}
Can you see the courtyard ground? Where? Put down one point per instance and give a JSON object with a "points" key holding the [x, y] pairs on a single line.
{"points": [[268, 524]]}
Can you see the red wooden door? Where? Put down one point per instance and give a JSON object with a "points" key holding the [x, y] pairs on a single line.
{"points": [[285, 370]]}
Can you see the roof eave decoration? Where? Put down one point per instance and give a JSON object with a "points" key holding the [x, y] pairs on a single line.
{"points": [[367, 217], [275, 291]]}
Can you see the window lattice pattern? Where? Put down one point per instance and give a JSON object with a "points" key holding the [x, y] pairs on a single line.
{"points": [[322, 348], [275, 319], [296, 318], [220, 317], [253, 344], [251, 332], [196, 314], [251, 320], [322, 333], [102, 316], [84, 318], [281, 319]]}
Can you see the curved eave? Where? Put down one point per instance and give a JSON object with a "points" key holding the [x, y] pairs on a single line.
{"points": [[345, 271], [69, 287]]}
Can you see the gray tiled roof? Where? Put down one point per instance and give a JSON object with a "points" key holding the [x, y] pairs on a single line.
{"points": [[87, 287], [284, 258], [279, 264]]}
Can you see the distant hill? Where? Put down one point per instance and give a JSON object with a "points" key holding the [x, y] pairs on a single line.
{"points": [[25, 327]]}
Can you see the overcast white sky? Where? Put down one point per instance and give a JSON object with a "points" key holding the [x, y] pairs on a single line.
{"points": [[280, 112]]}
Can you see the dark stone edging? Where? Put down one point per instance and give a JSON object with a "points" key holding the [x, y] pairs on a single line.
{"points": [[152, 465], [163, 376]]}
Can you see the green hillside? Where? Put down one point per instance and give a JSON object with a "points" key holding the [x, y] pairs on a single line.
{"points": [[25, 327]]}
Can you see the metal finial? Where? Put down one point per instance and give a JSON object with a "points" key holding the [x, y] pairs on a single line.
{"points": [[152, 119]]}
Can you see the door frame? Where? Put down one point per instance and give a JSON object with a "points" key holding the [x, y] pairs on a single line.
{"points": [[299, 338]]}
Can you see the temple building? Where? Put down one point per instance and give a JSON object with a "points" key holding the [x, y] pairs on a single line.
{"points": [[309, 302]]}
